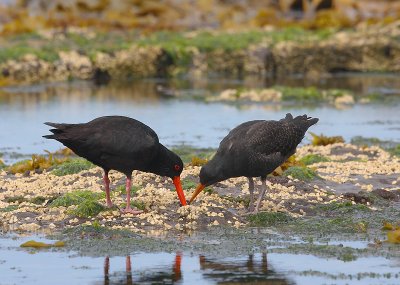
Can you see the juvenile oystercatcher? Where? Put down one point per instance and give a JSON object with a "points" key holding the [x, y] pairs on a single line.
{"points": [[122, 144], [254, 149]]}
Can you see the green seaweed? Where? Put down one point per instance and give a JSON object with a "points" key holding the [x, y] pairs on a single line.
{"points": [[187, 153], [313, 158], [88, 208], [9, 208], [76, 197], [343, 207], [72, 166], [188, 184], [267, 219], [395, 150], [301, 172], [38, 200], [299, 93]]}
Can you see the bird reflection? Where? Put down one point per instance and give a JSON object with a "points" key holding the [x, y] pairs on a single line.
{"points": [[250, 270], [128, 272]]}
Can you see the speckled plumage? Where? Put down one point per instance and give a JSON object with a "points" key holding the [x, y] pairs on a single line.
{"points": [[256, 148]]}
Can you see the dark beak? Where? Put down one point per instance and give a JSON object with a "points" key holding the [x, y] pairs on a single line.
{"points": [[179, 190], [199, 188]]}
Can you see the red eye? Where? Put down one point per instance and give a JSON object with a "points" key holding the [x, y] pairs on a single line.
{"points": [[177, 167]]}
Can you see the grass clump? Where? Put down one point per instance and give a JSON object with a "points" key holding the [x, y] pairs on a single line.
{"points": [[267, 219], [302, 173], [313, 158], [88, 208], [75, 198], [73, 166], [325, 140]]}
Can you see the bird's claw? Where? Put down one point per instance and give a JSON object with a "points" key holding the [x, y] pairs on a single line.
{"points": [[131, 211]]}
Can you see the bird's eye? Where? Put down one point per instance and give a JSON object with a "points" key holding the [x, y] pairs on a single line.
{"points": [[177, 167]]}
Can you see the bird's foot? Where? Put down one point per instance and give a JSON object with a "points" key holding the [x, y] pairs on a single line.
{"points": [[110, 204], [133, 211]]}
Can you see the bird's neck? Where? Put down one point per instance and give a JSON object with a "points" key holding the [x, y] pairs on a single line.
{"points": [[160, 161]]}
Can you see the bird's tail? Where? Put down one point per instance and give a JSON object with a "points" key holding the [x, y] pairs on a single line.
{"points": [[303, 122], [58, 129]]}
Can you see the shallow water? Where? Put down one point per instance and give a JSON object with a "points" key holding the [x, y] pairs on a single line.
{"points": [[193, 122], [50, 266], [186, 121]]}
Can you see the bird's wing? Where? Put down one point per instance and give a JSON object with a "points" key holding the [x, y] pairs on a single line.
{"points": [[124, 138], [234, 139], [269, 137]]}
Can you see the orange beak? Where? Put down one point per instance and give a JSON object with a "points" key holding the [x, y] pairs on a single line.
{"points": [[179, 190], [199, 188]]}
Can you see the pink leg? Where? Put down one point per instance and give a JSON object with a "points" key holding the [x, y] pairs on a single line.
{"points": [[107, 184], [128, 208]]}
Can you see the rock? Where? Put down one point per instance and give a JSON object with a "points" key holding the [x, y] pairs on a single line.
{"points": [[13, 220], [359, 198], [346, 99], [387, 195]]}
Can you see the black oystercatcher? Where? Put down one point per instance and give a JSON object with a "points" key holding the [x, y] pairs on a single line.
{"points": [[122, 144], [254, 149]]}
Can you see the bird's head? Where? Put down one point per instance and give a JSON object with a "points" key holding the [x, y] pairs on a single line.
{"points": [[171, 165], [209, 174]]}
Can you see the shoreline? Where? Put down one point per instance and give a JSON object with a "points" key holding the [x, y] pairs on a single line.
{"points": [[87, 55]]}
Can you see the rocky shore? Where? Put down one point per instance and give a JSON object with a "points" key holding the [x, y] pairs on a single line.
{"points": [[268, 52], [340, 176]]}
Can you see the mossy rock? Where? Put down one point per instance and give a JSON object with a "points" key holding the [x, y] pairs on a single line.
{"points": [[301, 172], [73, 166]]}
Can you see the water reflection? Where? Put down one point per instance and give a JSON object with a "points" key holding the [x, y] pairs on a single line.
{"points": [[243, 271], [152, 90]]}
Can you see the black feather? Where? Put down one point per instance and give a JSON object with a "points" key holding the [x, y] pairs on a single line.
{"points": [[256, 148]]}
